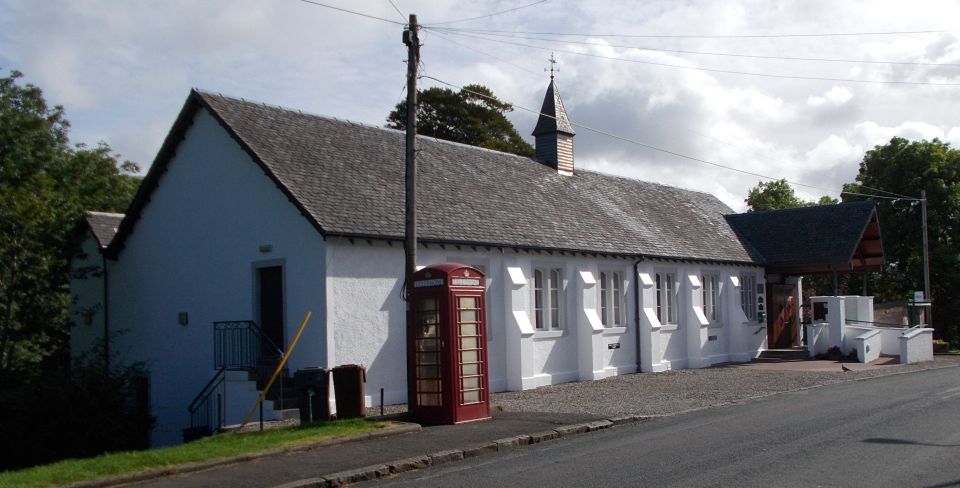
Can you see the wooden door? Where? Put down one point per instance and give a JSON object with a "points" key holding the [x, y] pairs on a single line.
{"points": [[781, 316], [271, 308]]}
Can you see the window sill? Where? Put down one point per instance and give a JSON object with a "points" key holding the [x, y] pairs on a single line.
{"points": [[614, 330], [548, 334], [669, 327], [715, 326]]}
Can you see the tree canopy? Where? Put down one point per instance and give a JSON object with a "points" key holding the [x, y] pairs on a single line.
{"points": [[778, 194], [46, 184], [472, 116], [906, 168]]}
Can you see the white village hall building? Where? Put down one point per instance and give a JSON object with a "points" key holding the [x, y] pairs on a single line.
{"points": [[255, 214]]}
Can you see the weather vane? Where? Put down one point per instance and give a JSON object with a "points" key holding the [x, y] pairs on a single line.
{"points": [[553, 61]]}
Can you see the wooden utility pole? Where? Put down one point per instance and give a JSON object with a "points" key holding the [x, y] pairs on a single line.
{"points": [[412, 41], [926, 257]]}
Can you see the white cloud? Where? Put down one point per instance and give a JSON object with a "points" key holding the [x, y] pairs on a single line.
{"points": [[835, 96], [122, 69]]}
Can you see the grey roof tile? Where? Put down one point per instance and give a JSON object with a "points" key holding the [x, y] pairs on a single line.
{"points": [[103, 225], [822, 234], [349, 179]]}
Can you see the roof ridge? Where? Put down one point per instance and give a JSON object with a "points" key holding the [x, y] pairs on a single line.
{"points": [[805, 207], [108, 214], [438, 140]]}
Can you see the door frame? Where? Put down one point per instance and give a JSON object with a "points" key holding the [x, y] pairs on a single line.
{"points": [[255, 268], [773, 315]]}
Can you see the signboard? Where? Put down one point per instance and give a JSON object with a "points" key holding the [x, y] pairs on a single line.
{"points": [[465, 282], [428, 283]]}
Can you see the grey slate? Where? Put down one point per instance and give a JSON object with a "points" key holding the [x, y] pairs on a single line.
{"points": [[826, 234], [103, 225], [348, 178], [553, 117]]}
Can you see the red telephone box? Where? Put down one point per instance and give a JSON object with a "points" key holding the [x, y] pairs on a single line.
{"points": [[447, 345]]}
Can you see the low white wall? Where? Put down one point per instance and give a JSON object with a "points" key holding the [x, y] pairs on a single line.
{"points": [[818, 338], [916, 345], [867, 345]]}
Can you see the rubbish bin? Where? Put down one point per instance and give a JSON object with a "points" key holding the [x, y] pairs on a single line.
{"points": [[313, 393], [348, 381]]}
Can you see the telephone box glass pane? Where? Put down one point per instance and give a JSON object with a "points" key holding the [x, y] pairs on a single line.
{"points": [[427, 347], [428, 399], [470, 345], [471, 396], [428, 372], [428, 358]]}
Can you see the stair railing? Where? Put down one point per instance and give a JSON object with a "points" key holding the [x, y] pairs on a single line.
{"points": [[239, 345], [208, 408]]}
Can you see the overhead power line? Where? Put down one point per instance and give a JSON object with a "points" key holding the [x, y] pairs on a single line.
{"points": [[674, 153], [494, 56], [398, 10], [710, 53], [318, 4], [712, 70], [712, 36], [632, 141], [487, 15]]}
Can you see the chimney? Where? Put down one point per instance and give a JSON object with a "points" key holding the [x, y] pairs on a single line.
{"points": [[554, 134]]}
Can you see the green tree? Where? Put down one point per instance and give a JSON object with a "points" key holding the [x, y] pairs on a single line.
{"points": [[472, 116], [778, 194], [906, 168], [45, 186]]}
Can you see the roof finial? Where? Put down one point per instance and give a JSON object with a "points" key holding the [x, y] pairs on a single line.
{"points": [[553, 61]]}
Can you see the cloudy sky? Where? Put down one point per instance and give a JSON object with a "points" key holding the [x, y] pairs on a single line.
{"points": [[123, 68]]}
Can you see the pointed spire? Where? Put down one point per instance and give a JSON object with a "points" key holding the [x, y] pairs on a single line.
{"points": [[554, 133], [553, 117]]}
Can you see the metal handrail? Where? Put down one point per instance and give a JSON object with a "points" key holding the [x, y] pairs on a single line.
{"points": [[201, 416], [238, 344]]}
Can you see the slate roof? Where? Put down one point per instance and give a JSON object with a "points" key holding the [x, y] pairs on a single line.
{"points": [[823, 234], [103, 225], [348, 179], [553, 117]]}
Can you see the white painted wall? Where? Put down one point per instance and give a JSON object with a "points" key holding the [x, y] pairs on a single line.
{"points": [[194, 250], [916, 345], [86, 299], [197, 245]]}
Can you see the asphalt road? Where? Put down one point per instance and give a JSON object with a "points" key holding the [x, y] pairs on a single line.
{"points": [[897, 431]]}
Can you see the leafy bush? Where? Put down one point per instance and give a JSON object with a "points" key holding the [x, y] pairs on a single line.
{"points": [[79, 412]]}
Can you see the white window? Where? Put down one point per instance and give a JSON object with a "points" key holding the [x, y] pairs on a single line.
{"points": [[666, 297], [748, 295], [711, 297], [611, 299], [548, 298]]}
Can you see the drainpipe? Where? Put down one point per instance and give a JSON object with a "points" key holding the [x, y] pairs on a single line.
{"points": [[106, 316], [636, 305]]}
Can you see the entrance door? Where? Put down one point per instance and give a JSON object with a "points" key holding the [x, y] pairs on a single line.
{"points": [[781, 316], [271, 308]]}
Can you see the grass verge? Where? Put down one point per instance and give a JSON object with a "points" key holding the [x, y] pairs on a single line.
{"points": [[225, 445]]}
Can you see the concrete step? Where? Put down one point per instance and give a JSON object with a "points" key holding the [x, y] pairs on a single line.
{"points": [[791, 354]]}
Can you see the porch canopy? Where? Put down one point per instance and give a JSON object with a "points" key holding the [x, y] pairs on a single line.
{"points": [[843, 237]]}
